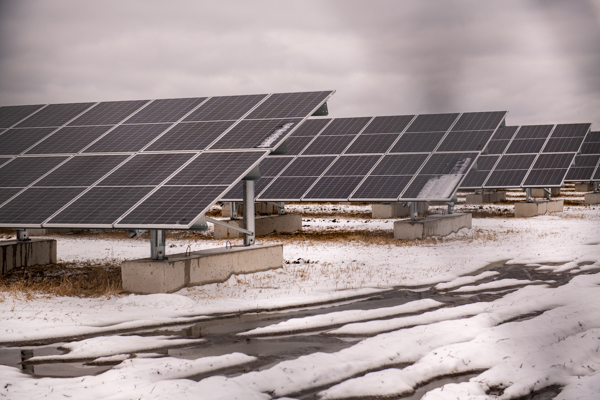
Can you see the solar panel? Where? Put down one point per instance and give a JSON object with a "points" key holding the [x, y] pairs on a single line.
{"points": [[586, 164], [361, 157], [137, 163], [530, 156]]}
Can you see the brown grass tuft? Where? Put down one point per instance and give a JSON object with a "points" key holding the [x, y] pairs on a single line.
{"points": [[63, 279]]}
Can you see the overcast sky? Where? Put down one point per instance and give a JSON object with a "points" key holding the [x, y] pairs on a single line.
{"points": [[538, 59]]}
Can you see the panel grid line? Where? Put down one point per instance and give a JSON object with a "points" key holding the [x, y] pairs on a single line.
{"points": [[24, 118]]}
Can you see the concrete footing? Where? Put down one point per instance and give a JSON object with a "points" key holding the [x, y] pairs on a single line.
{"points": [[148, 276], [592, 198], [493, 197], [265, 225], [538, 208], [14, 254], [263, 208], [394, 210], [433, 225], [539, 192], [584, 187]]}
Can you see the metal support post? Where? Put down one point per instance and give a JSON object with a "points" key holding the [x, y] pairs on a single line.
{"points": [[548, 193], [157, 244], [450, 207], [249, 212], [413, 209], [23, 235], [233, 208], [596, 187], [528, 195], [282, 208]]}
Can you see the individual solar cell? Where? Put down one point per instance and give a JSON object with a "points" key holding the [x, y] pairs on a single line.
{"points": [[165, 110], [506, 132], [580, 174], [173, 205], [273, 165], [6, 194], [101, 205], [590, 148], [506, 178], [55, 115], [432, 123], [81, 171], [587, 160], [287, 188], [352, 165], [475, 179], [289, 105], [449, 163], [22, 171], [108, 112], [16, 141], [418, 142], [545, 177], [225, 108], [563, 145], [308, 166], [465, 141], [433, 187], [534, 131], [35, 205], [497, 146], [400, 164], [391, 124], [190, 136], [311, 127], [295, 145], [597, 175], [381, 187], [328, 145], [553, 161], [10, 115], [486, 163], [146, 169], [71, 139], [345, 126], [570, 130], [516, 161], [475, 121], [265, 134], [365, 144], [525, 146], [127, 138], [225, 168], [237, 192], [339, 187]]}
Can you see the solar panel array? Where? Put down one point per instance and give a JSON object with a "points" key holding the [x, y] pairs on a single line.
{"points": [[136, 164], [586, 167], [391, 158], [527, 156]]}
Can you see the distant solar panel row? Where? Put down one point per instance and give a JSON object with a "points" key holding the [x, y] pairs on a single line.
{"points": [[586, 167], [527, 156], [135, 164], [423, 157]]}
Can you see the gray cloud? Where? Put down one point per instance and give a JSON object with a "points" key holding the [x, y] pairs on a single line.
{"points": [[537, 58]]}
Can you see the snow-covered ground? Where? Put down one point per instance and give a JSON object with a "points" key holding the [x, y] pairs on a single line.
{"points": [[514, 334]]}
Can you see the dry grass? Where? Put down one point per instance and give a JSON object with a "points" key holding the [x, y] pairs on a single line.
{"points": [[63, 279]]}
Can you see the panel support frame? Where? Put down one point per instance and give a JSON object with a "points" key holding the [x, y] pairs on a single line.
{"points": [[23, 235], [249, 223], [157, 244]]}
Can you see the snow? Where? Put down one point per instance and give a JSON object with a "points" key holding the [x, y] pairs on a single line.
{"points": [[272, 138], [536, 334]]}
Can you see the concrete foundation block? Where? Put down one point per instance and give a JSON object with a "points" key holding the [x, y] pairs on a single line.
{"points": [[539, 192], [265, 225], [592, 198], [433, 225], [524, 210], [226, 210], [394, 210], [148, 276], [260, 208], [493, 197], [14, 254], [584, 187]]}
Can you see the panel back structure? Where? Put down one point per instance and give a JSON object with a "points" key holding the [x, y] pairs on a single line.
{"points": [[527, 156], [586, 167], [387, 158], [148, 164]]}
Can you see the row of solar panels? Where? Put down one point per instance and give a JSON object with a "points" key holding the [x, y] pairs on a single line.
{"points": [[163, 163]]}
